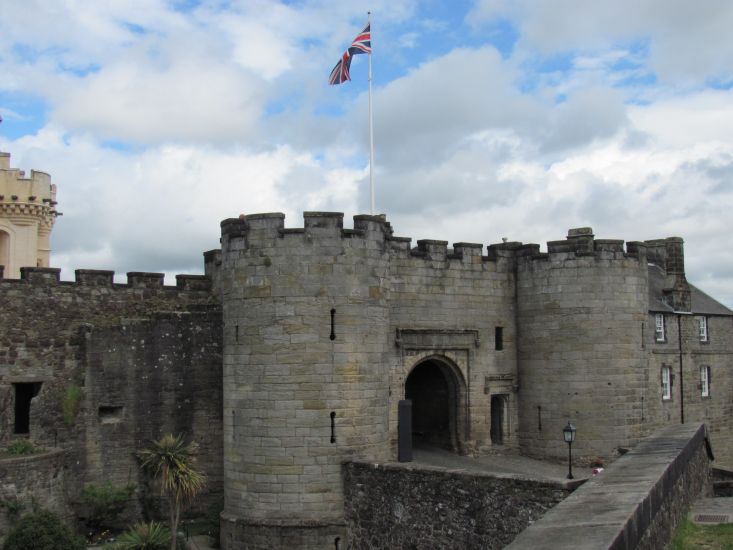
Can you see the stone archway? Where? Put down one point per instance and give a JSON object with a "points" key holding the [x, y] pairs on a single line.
{"points": [[438, 393]]}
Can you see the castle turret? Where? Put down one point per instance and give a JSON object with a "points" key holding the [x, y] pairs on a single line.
{"points": [[306, 382], [581, 310], [27, 215]]}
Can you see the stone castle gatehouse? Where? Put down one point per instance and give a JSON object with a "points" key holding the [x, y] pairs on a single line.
{"points": [[291, 355]]}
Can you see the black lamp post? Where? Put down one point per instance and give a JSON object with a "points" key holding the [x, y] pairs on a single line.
{"points": [[568, 434]]}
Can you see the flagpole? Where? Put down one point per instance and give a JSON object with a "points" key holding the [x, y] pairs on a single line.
{"points": [[371, 129]]}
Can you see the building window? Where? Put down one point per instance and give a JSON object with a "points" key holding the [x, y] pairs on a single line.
{"points": [[666, 383], [498, 338], [705, 381], [702, 324], [659, 333], [24, 392]]}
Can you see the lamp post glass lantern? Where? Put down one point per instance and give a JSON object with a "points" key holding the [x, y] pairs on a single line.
{"points": [[568, 434]]}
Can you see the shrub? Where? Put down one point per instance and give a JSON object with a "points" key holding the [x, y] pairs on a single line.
{"points": [[144, 536], [22, 447], [13, 506], [105, 503], [42, 531]]}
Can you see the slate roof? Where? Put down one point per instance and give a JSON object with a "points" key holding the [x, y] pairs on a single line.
{"points": [[701, 302]]}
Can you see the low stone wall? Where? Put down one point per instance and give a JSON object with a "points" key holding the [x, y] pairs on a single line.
{"points": [[636, 503], [28, 481], [402, 506]]}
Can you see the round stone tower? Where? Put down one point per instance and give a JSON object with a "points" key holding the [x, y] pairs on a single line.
{"points": [[581, 311], [27, 215], [305, 380]]}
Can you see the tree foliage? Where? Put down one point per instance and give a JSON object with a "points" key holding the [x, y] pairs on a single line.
{"points": [[172, 463], [42, 531], [105, 503]]}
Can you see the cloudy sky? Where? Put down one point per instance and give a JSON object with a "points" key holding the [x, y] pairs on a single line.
{"points": [[492, 118]]}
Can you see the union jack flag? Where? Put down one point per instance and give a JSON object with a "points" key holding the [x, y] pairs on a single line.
{"points": [[361, 44]]}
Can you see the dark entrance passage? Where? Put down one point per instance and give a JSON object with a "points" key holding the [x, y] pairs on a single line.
{"points": [[497, 419], [24, 392], [432, 388]]}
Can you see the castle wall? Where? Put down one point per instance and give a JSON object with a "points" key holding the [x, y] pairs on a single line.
{"points": [[306, 336], [24, 480], [117, 366], [401, 506], [581, 308], [449, 303]]}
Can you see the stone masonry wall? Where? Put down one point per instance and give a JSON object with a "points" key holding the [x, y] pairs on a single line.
{"points": [[449, 303], [716, 409], [396, 506], [147, 378], [27, 481], [305, 376], [123, 359], [580, 311]]}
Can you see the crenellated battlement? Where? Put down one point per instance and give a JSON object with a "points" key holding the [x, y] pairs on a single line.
{"points": [[16, 189], [51, 276], [581, 243], [262, 228]]}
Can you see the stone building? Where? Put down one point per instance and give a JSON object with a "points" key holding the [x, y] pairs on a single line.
{"points": [[291, 355], [27, 215]]}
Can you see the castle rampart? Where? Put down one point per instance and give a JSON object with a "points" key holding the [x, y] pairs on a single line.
{"points": [[99, 369]]}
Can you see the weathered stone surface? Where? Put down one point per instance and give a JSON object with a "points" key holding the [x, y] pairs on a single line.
{"points": [[131, 363], [32, 480], [397, 506]]}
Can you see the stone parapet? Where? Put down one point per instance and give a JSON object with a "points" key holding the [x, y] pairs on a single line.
{"points": [[637, 502]]}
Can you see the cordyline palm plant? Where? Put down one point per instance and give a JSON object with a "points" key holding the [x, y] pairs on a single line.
{"points": [[144, 536], [172, 462]]}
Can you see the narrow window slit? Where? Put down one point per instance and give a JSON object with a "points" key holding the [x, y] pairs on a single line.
{"points": [[236, 333], [333, 324], [498, 338], [539, 418], [333, 427]]}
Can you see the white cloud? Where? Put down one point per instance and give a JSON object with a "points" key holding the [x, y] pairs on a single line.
{"points": [[471, 145], [688, 41], [160, 209], [187, 101]]}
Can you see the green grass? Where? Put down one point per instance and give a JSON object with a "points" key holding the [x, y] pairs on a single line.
{"points": [[690, 536]]}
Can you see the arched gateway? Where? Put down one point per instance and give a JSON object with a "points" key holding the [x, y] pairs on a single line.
{"points": [[437, 390]]}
